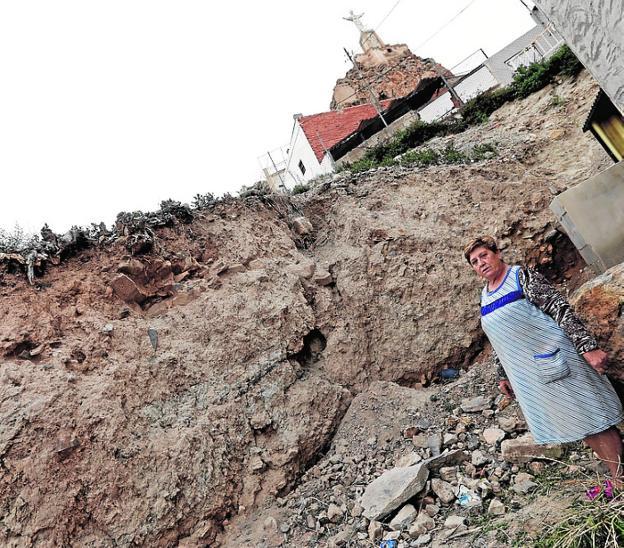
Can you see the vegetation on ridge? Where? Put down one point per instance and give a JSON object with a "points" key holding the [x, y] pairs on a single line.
{"points": [[527, 80]]}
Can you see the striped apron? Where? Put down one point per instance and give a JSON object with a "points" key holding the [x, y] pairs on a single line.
{"points": [[563, 399]]}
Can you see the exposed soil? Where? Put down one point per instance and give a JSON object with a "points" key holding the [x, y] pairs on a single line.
{"points": [[154, 398]]}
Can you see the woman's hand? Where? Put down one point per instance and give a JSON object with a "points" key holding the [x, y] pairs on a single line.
{"points": [[597, 359], [505, 388]]}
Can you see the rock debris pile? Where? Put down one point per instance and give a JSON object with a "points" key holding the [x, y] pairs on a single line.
{"points": [[463, 472]]}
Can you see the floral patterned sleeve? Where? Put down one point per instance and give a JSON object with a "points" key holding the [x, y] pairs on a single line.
{"points": [[540, 292]]}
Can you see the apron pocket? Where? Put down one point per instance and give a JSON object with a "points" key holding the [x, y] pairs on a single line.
{"points": [[551, 366]]}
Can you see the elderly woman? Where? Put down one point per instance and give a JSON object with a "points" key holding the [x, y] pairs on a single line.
{"points": [[550, 361]]}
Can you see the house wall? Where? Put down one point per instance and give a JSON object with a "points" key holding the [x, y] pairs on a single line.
{"points": [[478, 82], [300, 150], [439, 107], [594, 30], [496, 63]]}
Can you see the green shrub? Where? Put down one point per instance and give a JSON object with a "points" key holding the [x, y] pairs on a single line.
{"points": [[563, 61], [300, 188], [423, 157], [477, 110], [483, 151], [450, 155], [527, 80], [530, 79]]}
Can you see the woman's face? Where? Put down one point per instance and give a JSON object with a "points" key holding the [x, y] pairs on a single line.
{"points": [[487, 263]]}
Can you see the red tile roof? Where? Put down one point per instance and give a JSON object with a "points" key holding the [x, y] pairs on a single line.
{"points": [[333, 126]]}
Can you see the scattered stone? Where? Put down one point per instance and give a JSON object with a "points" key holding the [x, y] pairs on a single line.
{"points": [[524, 449], [356, 511], [404, 518], [475, 405], [421, 525], [422, 540], [270, 524], [522, 477], [322, 277], [392, 535], [448, 473], [457, 456], [260, 420], [537, 467], [127, 290], [524, 487], [454, 522], [443, 490], [153, 337], [106, 330], [257, 464], [410, 432], [302, 226], [334, 513], [496, 508], [375, 530], [39, 349], [408, 460], [421, 440], [508, 424], [493, 435], [434, 443], [304, 269], [432, 509], [479, 458], [235, 268], [66, 442], [339, 539], [449, 439], [392, 489]]}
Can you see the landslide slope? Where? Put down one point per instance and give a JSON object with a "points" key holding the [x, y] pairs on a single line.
{"points": [[155, 409]]}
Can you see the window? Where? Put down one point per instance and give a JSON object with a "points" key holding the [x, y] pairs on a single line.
{"points": [[302, 167]]}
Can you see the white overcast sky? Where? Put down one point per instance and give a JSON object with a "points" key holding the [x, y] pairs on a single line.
{"points": [[116, 105]]}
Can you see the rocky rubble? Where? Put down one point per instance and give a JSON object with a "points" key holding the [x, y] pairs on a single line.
{"points": [[393, 488]]}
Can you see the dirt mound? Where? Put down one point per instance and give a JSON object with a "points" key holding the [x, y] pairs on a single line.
{"points": [[155, 387]]}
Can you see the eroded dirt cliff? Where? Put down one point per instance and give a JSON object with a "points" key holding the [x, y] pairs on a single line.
{"points": [[152, 398]]}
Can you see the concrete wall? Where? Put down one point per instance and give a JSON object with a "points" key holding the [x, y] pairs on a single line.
{"points": [[592, 214], [594, 30], [479, 81], [439, 107]]}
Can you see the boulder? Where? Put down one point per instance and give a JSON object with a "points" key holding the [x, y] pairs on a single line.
{"points": [[524, 449], [375, 530], [392, 489], [496, 508], [493, 435], [443, 490], [599, 303], [127, 290], [476, 405], [404, 518]]}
